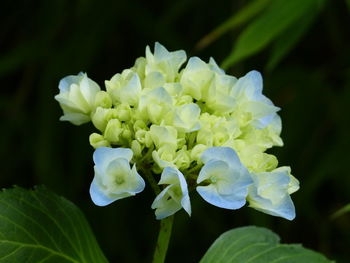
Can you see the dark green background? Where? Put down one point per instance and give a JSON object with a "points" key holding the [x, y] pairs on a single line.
{"points": [[42, 41]]}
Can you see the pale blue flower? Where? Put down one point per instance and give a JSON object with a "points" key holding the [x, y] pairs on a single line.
{"points": [[270, 192], [113, 177], [174, 196], [226, 177]]}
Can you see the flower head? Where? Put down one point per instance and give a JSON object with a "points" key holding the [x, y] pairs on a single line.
{"points": [[191, 124]]}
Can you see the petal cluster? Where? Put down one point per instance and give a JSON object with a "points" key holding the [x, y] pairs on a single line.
{"points": [[187, 124], [114, 179], [227, 179]]}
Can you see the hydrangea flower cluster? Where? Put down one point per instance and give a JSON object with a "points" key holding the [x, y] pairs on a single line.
{"points": [[195, 126]]}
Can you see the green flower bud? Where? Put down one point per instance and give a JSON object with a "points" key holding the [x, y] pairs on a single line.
{"points": [[113, 131], [136, 148], [103, 100], [97, 140], [124, 112]]}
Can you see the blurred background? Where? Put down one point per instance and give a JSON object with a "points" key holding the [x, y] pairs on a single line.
{"points": [[302, 48]]}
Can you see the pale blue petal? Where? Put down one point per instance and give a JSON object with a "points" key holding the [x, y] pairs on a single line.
{"points": [[251, 84], [214, 66], [65, 83], [164, 206], [209, 193], [284, 209], [169, 176], [159, 197], [97, 195], [195, 63], [185, 201], [160, 52], [215, 168], [225, 154], [104, 155], [186, 204], [139, 184]]}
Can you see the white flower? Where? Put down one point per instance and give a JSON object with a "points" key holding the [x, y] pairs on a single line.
{"points": [[227, 178], [186, 117], [124, 88], [165, 62], [196, 78], [174, 196], [251, 102], [77, 98], [113, 177], [270, 192]]}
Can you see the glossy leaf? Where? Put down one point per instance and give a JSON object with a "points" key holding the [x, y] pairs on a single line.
{"points": [[39, 226], [257, 245], [290, 37], [267, 27], [242, 16]]}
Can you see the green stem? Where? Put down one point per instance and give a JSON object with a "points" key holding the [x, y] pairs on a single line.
{"points": [[150, 178], [166, 226]]}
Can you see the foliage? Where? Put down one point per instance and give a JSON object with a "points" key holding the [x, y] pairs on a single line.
{"points": [[257, 245], [42, 227]]}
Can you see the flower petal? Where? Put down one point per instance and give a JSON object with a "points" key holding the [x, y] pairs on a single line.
{"points": [[104, 155], [210, 194], [225, 154]]}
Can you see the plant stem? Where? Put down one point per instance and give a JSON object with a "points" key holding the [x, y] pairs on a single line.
{"points": [[166, 226], [150, 178]]}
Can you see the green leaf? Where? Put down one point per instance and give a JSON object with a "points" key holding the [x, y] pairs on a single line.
{"points": [[239, 18], [342, 211], [268, 26], [39, 226], [290, 37], [257, 245]]}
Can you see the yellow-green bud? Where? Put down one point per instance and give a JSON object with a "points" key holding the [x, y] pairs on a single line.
{"points": [[103, 100], [113, 131], [97, 140], [100, 118], [136, 148], [124, 112], [197, 151]]}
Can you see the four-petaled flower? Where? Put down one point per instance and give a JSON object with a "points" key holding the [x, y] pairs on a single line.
{"points": [[174, 196], [271, 191], [113, 177], [224, 177]]}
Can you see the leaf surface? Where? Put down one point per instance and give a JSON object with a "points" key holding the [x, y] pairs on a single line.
{"points": [[40, 226], [257, 245]]}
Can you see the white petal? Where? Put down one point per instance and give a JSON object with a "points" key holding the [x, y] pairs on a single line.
{"points": [[225, 154], [284, 209], [212, 168], [104, 155], [164, 205], [75, 118], [136, 181], [65, 83], [251, 84]]}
